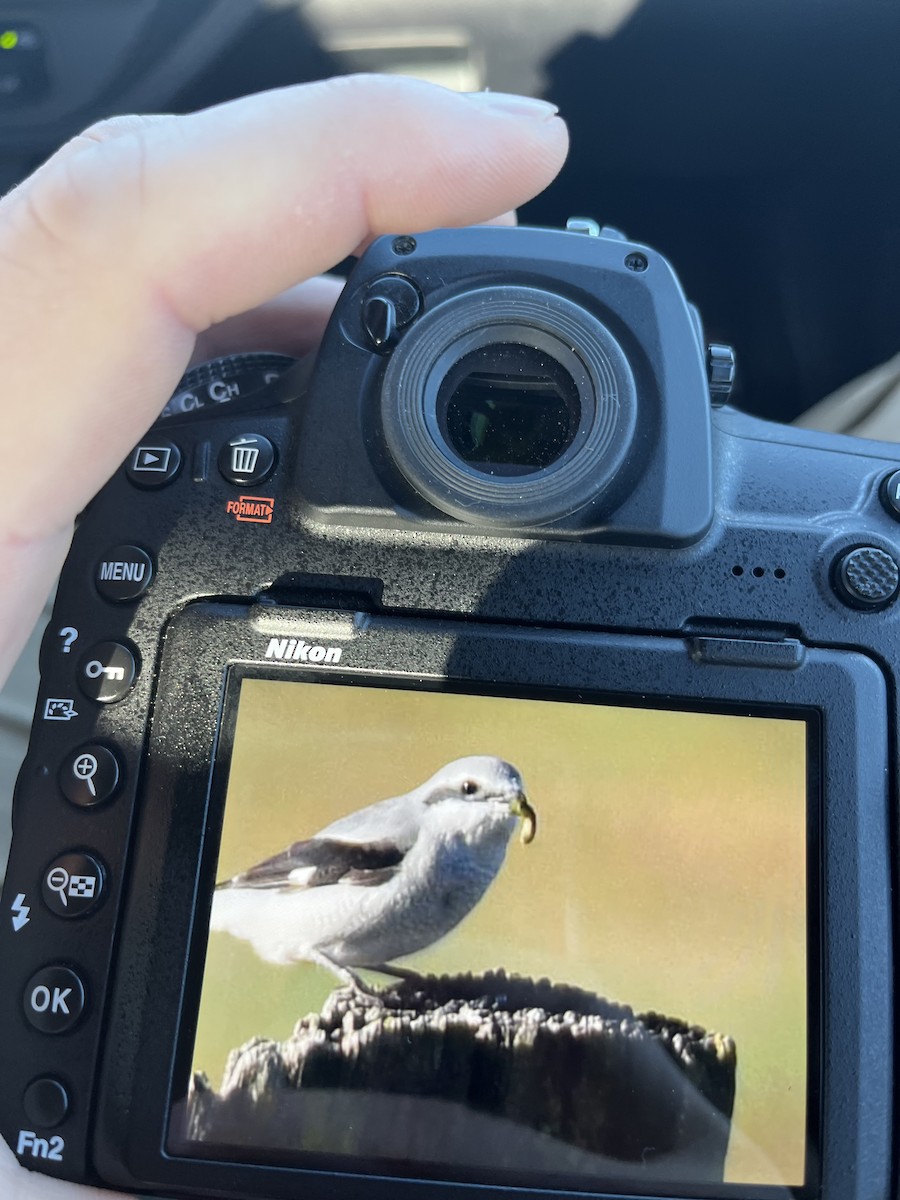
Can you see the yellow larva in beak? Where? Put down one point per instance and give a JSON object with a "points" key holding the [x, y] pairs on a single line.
{"points": [[521, 808]]}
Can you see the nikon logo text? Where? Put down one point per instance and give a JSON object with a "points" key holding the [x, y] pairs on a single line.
{"points": [[296, 650]]}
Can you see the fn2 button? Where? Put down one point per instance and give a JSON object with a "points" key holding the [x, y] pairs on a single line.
{"points": [[46, 1103]]}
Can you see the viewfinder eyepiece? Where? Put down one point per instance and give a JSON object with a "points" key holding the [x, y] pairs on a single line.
{"points": [[509, 409], [509, 406]]}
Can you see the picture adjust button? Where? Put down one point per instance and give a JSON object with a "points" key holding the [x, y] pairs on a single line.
{"points": [[106, 672], [154, 464], [124, 574], [247, 459], [46, 1103], [72, 884], [54, 1000], [89, 776]]}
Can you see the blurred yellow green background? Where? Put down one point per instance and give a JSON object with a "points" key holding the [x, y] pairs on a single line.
{"points": [[668, 871]]}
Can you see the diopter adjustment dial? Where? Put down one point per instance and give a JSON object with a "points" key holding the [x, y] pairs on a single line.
{"points": [[391, 302]]}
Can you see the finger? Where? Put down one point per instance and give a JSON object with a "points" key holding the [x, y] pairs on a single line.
{"points": [[119, 253], [291, 323], [507, 218], [19, 1184], [138, 236]]}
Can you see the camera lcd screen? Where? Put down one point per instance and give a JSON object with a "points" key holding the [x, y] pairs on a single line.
{"points": [[599, 921]]}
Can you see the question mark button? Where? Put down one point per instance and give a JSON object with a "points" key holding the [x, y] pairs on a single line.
{"points": [[68, 635]]}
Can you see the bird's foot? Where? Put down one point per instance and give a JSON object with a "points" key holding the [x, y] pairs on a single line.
{"points": [[346, 975], [402, 973], [367, 989]]}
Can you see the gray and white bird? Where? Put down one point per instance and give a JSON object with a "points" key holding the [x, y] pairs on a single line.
{"points": [[383, 882]]}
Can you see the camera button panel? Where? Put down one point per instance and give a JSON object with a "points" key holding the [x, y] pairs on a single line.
{"points": [[54, 1000], [123, 574], [106, 672], [46, 1102], [72, 884], [247, 459], [89, 775]]}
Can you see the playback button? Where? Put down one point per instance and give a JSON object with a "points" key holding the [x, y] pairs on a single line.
{"points": [[154, 464]]}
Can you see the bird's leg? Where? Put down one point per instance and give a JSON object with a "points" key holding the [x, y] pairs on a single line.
{"points": [[403, 973], [343, 973]]}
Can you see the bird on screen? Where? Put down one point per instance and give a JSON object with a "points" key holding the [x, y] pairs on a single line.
{"points": [[383, 882]]}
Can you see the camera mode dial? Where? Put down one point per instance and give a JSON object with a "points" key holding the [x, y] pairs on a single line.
{"points": [[222, 380]]}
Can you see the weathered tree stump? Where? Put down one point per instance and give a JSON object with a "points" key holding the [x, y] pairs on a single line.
{"points": [[488, 1071]]}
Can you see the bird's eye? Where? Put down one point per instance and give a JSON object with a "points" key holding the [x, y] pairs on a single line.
{"points": [[470, 787]]}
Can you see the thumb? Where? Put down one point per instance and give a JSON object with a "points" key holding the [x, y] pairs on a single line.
{"points": [[137, 236], [144, 231]]}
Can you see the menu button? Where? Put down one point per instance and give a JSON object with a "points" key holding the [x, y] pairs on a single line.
{"points": [[124, 574]]}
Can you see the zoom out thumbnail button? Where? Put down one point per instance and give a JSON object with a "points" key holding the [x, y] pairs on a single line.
{"points": [[72, 884]]}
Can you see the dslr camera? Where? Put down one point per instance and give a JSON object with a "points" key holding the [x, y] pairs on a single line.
{"points": [[466, 763]]}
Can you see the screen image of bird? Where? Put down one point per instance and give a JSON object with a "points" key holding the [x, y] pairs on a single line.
{"points": [[524, 937], [385, 881]]}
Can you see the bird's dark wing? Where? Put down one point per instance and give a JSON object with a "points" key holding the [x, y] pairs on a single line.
{"points": [[320, 861]]}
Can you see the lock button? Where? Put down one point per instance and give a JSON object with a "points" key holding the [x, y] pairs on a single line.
{"points": [[106, 672]]}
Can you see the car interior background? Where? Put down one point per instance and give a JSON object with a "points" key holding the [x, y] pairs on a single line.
{"points": [[753, 142]]}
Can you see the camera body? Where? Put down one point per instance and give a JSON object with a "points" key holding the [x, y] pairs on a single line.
{"points": [[501, 516]]}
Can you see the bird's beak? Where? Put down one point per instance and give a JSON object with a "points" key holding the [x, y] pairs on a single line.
{"points": [[521, 808]]}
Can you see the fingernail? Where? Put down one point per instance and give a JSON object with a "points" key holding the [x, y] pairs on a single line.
{"points": [[514, 106]]}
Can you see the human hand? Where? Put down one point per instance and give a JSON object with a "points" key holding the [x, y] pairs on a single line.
{"points": [[146, 241], [146, 233]]}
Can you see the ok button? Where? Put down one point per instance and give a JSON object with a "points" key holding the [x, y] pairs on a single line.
{"points": [[54, 1000]]}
